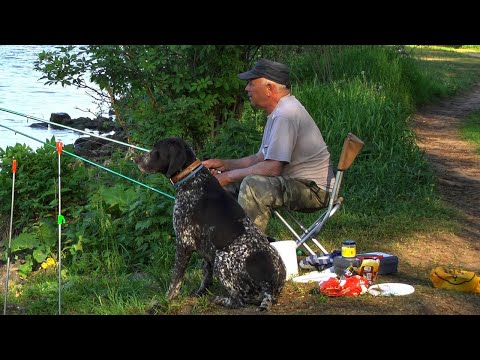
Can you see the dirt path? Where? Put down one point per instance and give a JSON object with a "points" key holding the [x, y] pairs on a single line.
{"points": [[457, 168]]}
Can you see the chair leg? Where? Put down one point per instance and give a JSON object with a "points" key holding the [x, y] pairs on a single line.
{"points": [[300, 240], [292, 230], [319, 246], [308, 249]]}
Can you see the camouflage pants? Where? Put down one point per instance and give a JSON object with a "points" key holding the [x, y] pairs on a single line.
{"points": [[258, 195]]}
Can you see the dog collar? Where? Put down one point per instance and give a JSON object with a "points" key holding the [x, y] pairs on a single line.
{"points": [[186, 173]]}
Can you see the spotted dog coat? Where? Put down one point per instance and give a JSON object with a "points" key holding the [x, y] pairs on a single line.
{"points": [[208, 220]]}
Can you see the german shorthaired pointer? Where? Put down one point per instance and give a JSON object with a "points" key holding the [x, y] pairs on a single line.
{"points": [[208, 220]]}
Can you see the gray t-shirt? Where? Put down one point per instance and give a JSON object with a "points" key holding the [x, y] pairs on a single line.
{"points": [[291, 135]]}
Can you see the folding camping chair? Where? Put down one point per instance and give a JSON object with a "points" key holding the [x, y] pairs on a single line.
{"points": [[351, 148]]}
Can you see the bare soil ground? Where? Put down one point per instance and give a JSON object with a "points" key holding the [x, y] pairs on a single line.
{"points": [[457, 168]]}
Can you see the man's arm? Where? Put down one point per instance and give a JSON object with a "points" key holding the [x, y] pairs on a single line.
{"points": [[265, 168], [230, 164]]}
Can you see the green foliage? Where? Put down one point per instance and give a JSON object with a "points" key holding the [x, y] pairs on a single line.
{"points": [[125, 221], [471, 47], [36, 183], [115, 229], [234, 139], [36, 198], [157, 90], [389, 162], [441, 72], [34, 245]]}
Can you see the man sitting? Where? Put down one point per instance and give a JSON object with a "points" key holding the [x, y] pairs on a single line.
{"points": [[292, 167]]}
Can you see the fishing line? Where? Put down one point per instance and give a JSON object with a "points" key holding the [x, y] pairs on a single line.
{"points": [[94, 164], [73, 129], [9, 251]]}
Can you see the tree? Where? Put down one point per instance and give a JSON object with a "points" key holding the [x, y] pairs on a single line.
{"points": [[157, 90]]}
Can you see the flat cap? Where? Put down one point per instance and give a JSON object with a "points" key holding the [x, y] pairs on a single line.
{"points": [[268, 69]]}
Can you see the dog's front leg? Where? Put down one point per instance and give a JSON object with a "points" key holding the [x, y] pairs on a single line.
{"points": [[207, 278], [208, 255], [182, 257]]}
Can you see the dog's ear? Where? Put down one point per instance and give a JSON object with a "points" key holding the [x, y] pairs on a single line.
{"points": [[177, 154]]}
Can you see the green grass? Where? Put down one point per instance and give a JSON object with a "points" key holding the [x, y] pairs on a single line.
{"points": [[453, 48], [389, 191], [471, 130], [445, 71], [374, 232], [381, 205], [109, 292], [98, 294]]}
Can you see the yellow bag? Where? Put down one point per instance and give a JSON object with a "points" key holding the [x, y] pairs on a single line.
{"points": [[455, 279]]}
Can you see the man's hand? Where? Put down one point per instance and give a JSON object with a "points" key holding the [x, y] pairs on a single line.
{"points": [[230, 174], [214, 165], [223, 178]]}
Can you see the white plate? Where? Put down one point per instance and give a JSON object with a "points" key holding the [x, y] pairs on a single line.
{"points": [[390, 289]]}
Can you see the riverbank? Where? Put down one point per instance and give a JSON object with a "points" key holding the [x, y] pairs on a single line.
{"points": [[80, 132]]}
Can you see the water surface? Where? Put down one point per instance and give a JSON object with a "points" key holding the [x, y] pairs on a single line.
{"points": [[23, 92]]}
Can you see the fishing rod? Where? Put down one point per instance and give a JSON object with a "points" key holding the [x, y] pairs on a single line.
{"points": [[73, 129], [60, 219], [93, 163], [9, 251]]}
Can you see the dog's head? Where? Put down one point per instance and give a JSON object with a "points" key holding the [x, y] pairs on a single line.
{"points": [[168, 156]]}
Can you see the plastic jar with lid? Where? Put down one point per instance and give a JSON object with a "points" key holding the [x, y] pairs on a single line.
{"points": [[349, 249]]}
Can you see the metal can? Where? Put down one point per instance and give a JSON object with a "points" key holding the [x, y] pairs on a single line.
{"points": [[349, 249]]}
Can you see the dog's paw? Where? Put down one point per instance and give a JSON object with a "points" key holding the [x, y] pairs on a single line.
{"points": [[222, 301], [266, 304], [227, 302], [264, 307]]}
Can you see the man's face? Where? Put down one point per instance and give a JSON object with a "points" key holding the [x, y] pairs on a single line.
{"points": [[257, 92]]}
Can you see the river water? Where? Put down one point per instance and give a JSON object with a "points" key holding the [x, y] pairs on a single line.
{"points": [[23, 92]]}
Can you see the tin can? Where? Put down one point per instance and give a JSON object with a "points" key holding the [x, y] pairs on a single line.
{"points": [[349, 249]]}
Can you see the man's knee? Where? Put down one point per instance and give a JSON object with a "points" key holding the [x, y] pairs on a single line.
{"points": [[252, 183], [261, 190]]}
